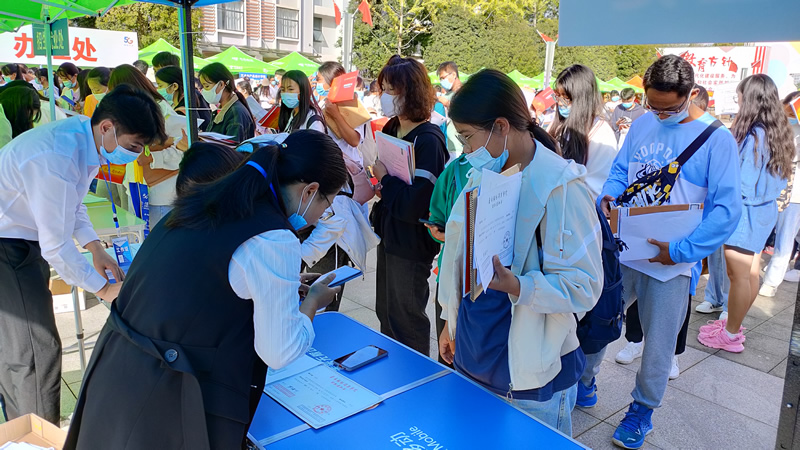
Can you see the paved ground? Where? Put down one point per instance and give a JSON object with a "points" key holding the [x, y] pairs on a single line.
{"points": [[721, 400]]}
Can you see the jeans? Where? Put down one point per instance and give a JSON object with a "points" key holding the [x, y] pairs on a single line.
{"points": [[556, 412], [785, 232], [718, 283], [157, 212], [662, 310]]}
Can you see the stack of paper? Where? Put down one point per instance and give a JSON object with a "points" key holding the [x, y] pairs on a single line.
{"points": [[316, 393], [397, 155], [217, 138]]}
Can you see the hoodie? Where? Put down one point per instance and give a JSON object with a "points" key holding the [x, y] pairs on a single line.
{"points": [[567, 280]]}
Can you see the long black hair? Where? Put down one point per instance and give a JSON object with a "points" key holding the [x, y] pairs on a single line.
{"points": [[127, 74], [101, 74], [761, 107], [491, 94], [572, 133], [83, 87], [306, 102], [245, 86], [21, 106], [216, 72], [13, 69], [306, 156], [205, 162]]}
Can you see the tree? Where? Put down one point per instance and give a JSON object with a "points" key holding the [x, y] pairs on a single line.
{"points": [[457, 36], [602, 60], [634, 60], [150, 22], [513, 43]]}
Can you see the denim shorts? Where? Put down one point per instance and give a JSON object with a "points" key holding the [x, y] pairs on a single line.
{"points": [[556, 412]]}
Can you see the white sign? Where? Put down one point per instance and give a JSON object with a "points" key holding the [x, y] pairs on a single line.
{"points": [[726, 99], [715, 66], [88, 48]]}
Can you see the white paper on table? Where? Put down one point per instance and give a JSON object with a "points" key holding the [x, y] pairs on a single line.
{"points": [[495, 222], [212, 135], [301, 364], [670, 226], [395, 154], [321, 396]]}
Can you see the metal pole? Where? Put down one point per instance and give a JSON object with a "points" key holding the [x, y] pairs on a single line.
{"points": [[49, 54], [788, 425], [79, 327], [347, 38], [550, 49], [187, 52]]}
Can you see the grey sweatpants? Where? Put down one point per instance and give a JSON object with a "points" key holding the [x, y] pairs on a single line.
{"points": [[662, 310]]}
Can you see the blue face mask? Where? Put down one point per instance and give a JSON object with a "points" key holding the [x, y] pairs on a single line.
{"points": [[290, 99], [627, 105], [446, 84], [481, 158], [68, 84], [675, 118], [274, 83], [564, 110], [163, 91], [120, 155], [297, 220], [320, 91], [615, 98], [793, 121], [360, 95]]}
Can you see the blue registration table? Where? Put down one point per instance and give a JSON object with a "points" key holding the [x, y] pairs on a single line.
{"points": [[426, 405]]}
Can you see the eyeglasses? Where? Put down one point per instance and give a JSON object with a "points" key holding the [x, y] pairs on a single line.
{"points": [[464, 140], [329, 212], [669, 113], [563, 101], [446, 76]]}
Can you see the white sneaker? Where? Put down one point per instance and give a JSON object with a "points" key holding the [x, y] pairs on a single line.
{"points": [[723, 315], [675, 371], [767, 290], [631, 351], [707, 308], [792, 276]]}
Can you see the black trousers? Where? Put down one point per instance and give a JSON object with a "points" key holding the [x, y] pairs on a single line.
{"points": [[30, 348], [400, 300], [633, 327]]}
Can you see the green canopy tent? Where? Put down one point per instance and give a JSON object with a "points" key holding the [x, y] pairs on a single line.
{"points": [[623, 85], [525, 81], [434, 77], [605, 87], [238, 61], [146, 54], [296, 61]]}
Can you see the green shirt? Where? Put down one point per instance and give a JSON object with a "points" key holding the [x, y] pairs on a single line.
{"points": [[447, 189]]}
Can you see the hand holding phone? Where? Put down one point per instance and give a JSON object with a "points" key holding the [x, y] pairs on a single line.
{"points": [[342, 275], [439, 226]]}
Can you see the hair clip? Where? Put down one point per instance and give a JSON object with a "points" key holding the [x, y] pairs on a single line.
{"points": [[284, 145]]}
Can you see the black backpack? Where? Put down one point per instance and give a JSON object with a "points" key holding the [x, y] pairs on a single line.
{"points": [[603, 324]]}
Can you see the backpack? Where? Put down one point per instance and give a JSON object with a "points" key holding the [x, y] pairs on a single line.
{"points": [[603, 324]]}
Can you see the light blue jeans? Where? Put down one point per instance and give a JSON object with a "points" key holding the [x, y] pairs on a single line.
{"points": [[556, 412], [785, 232], [157, 212], [718, 282]]}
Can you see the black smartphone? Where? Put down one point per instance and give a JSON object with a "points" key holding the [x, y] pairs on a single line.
{"points": [[360, 358], [438, 226]]}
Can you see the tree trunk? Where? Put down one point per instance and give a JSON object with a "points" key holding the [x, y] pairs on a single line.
{"points": [[400, 32]]}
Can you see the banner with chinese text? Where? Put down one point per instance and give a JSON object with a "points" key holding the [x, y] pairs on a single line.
{"points": [[715, 66], [87, 48]]}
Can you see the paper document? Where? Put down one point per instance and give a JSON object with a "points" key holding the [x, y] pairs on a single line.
{"points": [[668, 223], [495, 222], [215, 136], [299, 365], [256, 109], [321, 396], [397, 155]]}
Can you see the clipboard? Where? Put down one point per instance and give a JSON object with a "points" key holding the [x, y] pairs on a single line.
{"points": [[666, 223]]}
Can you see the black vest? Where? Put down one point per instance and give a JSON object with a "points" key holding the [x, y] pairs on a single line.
{"points": [[177, 300]]}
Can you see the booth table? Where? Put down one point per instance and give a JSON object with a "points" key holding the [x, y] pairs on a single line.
{"points": [[426, 405]]}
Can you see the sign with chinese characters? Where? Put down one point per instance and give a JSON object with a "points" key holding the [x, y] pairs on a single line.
{"points": [[59, 33], [87, 47], [715, 66]]}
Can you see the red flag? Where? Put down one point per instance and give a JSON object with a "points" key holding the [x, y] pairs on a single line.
{"points": [[658, 54], [545, 37], [337, 14], [733, 67], [366, 16]]}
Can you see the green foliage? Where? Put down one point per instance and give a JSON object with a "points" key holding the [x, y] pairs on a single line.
{"points": [[150, 22], [634, 60], [457, 36], [512, 43], [600, 59]]}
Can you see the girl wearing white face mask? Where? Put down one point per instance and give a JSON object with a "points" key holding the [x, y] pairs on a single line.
{"points": [[233, 116], [406, 252], [518, 338]]}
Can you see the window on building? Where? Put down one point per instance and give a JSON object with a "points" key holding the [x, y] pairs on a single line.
{"points": [[230, 16], [288, 23], [319, 38]]}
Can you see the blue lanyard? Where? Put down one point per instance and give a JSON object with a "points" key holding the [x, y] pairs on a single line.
{"points": [[111, 197]]}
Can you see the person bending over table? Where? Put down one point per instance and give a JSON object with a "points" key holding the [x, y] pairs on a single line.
{"points": [[44, 175], [174, 365]]}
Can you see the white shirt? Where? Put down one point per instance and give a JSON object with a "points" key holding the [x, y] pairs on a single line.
{"points": [[266, 269], [317, 125], [795, 198], [601, 153], [44, 175]]}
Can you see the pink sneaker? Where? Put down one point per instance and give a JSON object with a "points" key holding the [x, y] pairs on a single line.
{"points": [[717, 325], [719, 339]]}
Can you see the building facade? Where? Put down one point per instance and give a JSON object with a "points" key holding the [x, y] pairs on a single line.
{"points": [[270, 29]]}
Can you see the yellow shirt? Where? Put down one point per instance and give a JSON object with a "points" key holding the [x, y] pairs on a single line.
{"points": [[90, 105]]}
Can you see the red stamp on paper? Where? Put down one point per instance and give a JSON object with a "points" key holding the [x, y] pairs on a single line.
{"points": [[322, 409]]}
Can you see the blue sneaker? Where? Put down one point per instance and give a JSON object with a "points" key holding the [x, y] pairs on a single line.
{"points": [[634, 427], [587, 396]]}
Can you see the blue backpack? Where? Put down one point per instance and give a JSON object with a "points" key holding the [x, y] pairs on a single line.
{"points": [[603, 324]]}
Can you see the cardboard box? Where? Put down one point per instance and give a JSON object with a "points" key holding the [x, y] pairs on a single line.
{"points": [[62, 297], [32, 429]]}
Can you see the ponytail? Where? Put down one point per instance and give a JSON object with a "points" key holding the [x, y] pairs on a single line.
{"points": [[543, 136], [306, 156]]}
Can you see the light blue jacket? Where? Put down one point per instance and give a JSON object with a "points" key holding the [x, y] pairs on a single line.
{"points": [[759, 185]]}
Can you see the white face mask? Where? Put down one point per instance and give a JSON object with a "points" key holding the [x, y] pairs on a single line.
{"points": [[388, 105], [212, 96]]}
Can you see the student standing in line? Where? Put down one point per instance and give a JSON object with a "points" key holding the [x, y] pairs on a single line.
{"points": [[170, 85], [97, 83], [580, 126], [151, 369], [766, 152], [67, 74], [299, 110], [350, 137], [406, 251], [11, 72], [165, 59], [451, 83], [44, 176], [709, 176], [625, 113], [21, 106], [518, 339], [614, 101], [233, 118]]}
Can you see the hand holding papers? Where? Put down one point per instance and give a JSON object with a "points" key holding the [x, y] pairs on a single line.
{"points": [[397, 155]]}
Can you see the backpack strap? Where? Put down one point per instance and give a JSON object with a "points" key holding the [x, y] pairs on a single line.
{"points": [[697, 143], [315, 118]]}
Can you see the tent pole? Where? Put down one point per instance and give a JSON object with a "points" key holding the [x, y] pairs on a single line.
{"points": [[49, 54], [187, 52]]}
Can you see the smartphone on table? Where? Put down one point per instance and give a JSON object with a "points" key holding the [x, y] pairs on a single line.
{"points": [[360, 358]]}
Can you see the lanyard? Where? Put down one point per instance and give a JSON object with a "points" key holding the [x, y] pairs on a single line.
{"points": [[111, 197]]}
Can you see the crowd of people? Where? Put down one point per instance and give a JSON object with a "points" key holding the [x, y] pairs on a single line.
{"points": [[286, 204]]}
